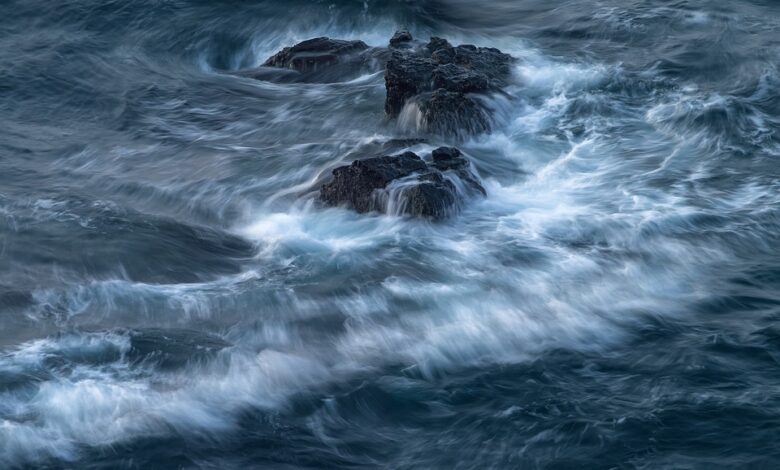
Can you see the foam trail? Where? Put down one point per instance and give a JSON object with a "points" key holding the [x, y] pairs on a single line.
{"points": [[173, 295]]}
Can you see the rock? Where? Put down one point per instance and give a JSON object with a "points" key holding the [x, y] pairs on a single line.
{"points": [[314, 54], [322, 60], [437, 77], [404, 184], [437, 44], [431, 196], [440, 78], [451, 77], [406, 75], [401, 39], [449, 158], [356, 183], [443, 56], [448, 113], [488, 60]]}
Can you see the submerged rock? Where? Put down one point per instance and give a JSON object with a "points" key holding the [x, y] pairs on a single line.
{"points": [[322, 60], [441, 80], [173, 348], [404, 184]]}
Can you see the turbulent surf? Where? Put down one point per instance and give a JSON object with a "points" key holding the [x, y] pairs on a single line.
{"points": [[589, 276]]}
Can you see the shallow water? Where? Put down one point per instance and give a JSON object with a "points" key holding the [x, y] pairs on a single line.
{"points": [[171, 296]]}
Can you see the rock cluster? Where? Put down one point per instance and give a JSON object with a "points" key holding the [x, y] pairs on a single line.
{"points": [[443, 83], [404, 184], [443, 87]]}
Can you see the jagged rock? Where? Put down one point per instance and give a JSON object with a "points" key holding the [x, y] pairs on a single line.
{"points": [[448, 112], [356, 183], [404, 184], [440, 78], [451, 77], [322, 60], [401, 39], [437, 44], [406, 76]]}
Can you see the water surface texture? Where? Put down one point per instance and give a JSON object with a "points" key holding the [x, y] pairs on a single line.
{"points": [[171, 296]]}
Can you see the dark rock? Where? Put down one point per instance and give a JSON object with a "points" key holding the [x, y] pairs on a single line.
{"points": [[355, 184], [436, 44], [444, 55], [314, 54], [439, 78], [488, 60], [432, 196], [401, 39], [448, 112], [321, 60], [406, 76], [404, 184], [451, 159]]}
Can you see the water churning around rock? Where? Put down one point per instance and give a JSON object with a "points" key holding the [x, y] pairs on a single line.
{"points": [[575, 263]]}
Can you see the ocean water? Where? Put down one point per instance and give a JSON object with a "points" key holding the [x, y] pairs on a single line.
{"points": [[171, 296]]}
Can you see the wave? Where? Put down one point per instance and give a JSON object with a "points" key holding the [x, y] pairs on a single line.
{"points": [[171, 292]]}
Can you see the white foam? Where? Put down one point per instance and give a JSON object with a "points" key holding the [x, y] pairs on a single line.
{"points": [[96, 407], [475, 300], [539, 74]]}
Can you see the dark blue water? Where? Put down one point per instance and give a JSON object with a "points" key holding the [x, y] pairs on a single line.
{"points": [[171, 297]]}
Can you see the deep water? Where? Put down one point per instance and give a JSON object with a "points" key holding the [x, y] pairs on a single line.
{"points": [[171, 296]]}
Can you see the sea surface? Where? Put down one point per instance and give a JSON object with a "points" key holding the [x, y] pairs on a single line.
{"points": [[172, 296]]}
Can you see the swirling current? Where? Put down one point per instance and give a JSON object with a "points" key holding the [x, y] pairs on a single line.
{"points": [[172, 295]]}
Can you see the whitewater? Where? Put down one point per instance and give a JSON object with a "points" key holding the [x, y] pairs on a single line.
{"points": [[172, 294]]}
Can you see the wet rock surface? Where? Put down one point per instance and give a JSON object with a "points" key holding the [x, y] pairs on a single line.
{"points": [[442, 79], [401, 39], [321, 60], [447, 112], [404, 184], [451, 159]]}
